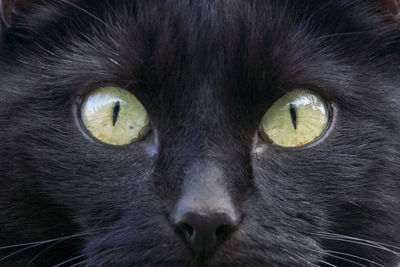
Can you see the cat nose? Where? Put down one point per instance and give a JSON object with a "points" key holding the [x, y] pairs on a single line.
{"points": [[205, 214], [204, 231]]}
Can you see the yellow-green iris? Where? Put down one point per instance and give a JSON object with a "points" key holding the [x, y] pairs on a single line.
{"points": [[295, 119], [114, 116]]}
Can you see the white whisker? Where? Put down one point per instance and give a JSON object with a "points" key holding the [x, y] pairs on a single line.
{"points": [[38, 243], [360, 242], [360, 239], [42, 251], [341, 34], [345, 259], [30, 245], [84, 11], [327, 263], [17, 252], [70, 260], [94, 257], [354, 256]]}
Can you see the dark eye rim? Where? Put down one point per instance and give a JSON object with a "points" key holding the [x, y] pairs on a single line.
{"points": [[332, 110], [77, 113]]}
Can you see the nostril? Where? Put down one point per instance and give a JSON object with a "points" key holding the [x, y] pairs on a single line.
{"points": [[186, 230], [223, 231], [203, 232]]}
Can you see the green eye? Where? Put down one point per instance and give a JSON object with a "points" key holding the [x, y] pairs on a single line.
{"points": [[114, 116], [295, 119]]}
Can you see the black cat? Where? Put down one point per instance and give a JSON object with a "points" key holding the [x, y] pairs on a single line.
{"points": [[199, 133]]}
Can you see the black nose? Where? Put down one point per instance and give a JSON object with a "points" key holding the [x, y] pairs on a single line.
{"points": [[205, 214], [205, 231]]}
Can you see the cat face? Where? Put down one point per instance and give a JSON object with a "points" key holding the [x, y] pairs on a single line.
{"points": [[249, 133]]}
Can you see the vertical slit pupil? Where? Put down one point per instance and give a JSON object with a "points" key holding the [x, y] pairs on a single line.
{"points": [[293, 115], [116, 112]]}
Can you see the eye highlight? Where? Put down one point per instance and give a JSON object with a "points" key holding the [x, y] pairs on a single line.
{"points": [[296, 119], [114, 116]]}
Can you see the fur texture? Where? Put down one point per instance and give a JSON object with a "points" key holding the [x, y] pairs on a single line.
{"points": [[206, 71]]}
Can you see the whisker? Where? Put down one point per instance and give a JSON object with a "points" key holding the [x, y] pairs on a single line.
{"points": [[363, 243], [345, 259], [341, 34], [70, 260], [326, 253], [30, 245], [84, 11], [38, 243], [78, 263], [316, 12], [354, 256], [360, 239], [96, 256], [327, 263], [17, 252], [42, 251], [42, 242]]}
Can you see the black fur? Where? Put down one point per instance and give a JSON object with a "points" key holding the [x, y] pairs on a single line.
{"points": [[206, 71]]}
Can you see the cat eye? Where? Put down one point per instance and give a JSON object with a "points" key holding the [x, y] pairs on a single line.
{"points": [[295, 119], [114, 116]]}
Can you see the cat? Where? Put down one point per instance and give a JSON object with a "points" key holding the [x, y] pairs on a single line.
{"points": [[210, 177]]}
